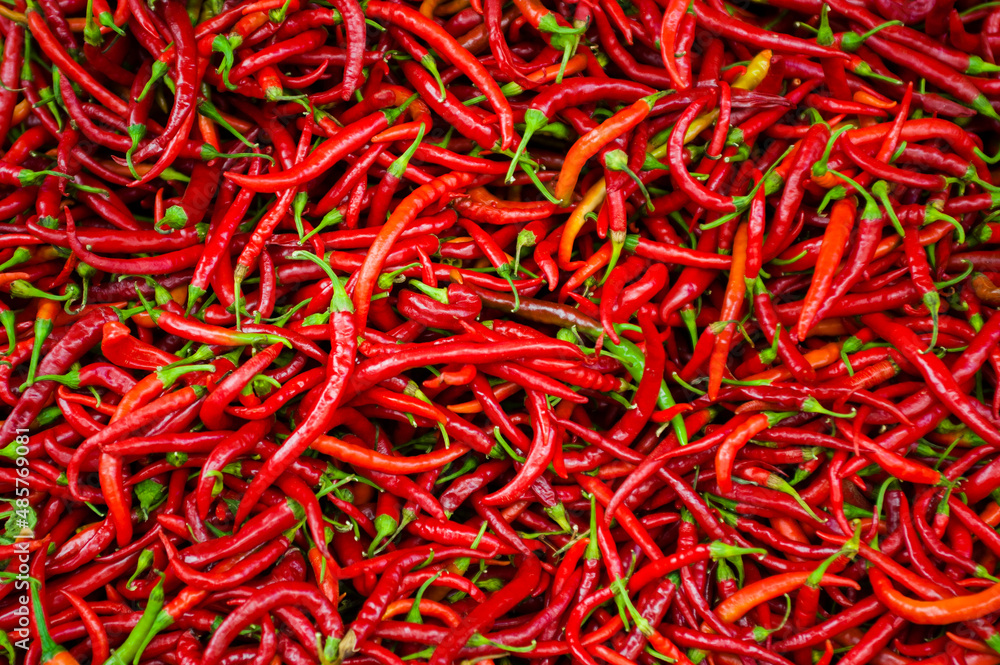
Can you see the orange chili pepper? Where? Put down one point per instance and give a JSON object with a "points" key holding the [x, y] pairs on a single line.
{"points": [[207, 129], [8, 277], [871, 99], [789, 528], [427, 7], [928, 235], [590, 143], [21, 112], [732, 303], [821, 357], [938, 612], [591, 201], [828, 180], [588, 269], [734, 607], [607, 654], [324, 568], [667, 648], [451, 8], [978, 646], [574, 65], [991, 514], [370, 459], [838, 231], [429, 607]]}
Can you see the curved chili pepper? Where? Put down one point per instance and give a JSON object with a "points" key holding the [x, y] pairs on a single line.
{"points": [[734, 607], [338, 370], [445, 44], [212, 408], [273, 596], [390, 232], [722, 24], [940, 381], [345, 141], [937, 612], [484, 614], [586, 146]]}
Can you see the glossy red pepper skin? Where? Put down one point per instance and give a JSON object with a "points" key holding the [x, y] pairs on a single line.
{"points": [[450, 439], [408, 19]]}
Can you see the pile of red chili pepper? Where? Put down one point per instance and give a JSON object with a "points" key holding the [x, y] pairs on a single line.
{"points": [[550, 331]]}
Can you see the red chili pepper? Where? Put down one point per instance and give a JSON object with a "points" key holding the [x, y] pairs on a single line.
{"points": [[451, 322], [940, 381], [338, 371], [118, 346], [672, 15], [734, 607], [438, 39], [739, 437], [407, 211], [346, 140], [272, 596], [721, 23]]}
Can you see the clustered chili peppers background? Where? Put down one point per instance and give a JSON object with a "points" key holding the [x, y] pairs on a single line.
{"points": [[595, 332]]}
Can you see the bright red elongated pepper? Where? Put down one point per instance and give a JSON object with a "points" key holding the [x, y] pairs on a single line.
{"points": [[331, 151], [407, 211], [338, 370], [446, 45], [939, 379]]}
